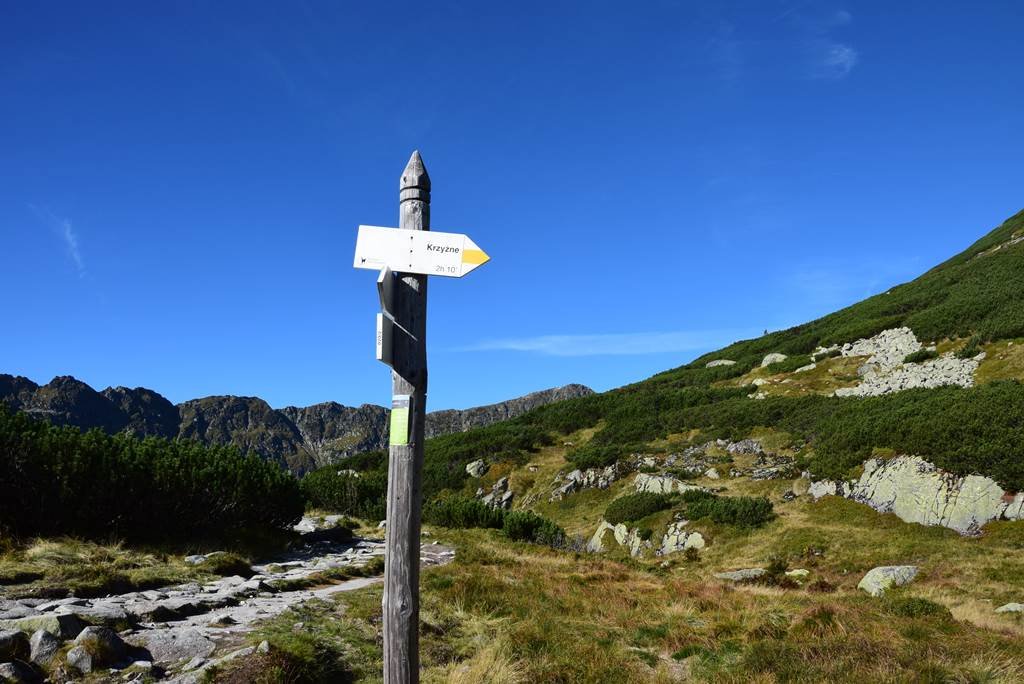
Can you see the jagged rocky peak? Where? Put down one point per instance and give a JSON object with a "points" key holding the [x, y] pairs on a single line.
{"points": [[449, 421], [247, 422], [146, 411], [331, 431], [298, 438], [67, 401]]}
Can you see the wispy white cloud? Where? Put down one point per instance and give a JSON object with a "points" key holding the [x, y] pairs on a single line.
{"points": [[62, 228], [614, 344], [832, 60]]}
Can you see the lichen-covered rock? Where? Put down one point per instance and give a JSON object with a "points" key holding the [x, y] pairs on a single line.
{"points": [[662, 484], [744, 575], [476, 468], [879, 580], [917, 491]]}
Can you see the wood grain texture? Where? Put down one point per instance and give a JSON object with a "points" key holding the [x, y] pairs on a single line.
{"points": [[401, 605]]}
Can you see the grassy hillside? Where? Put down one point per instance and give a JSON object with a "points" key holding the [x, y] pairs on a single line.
{"points": [[519, 613]]}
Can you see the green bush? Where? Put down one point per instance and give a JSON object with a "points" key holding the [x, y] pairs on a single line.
{"points": [[741, 511], [920, 356], [594, 456], [528, 526], [360, 494], [462, 512], [59, 480], [914, 607], [633, 507]]}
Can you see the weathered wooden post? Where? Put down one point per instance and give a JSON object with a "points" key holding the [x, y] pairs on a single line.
{"points": [[405, 458], [405, 257]]}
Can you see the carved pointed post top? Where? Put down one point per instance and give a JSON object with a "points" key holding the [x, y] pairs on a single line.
{"points": [[415, 183]]}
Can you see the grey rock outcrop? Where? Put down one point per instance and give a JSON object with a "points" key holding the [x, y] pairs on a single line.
{"points": [[916, 491], [662, 484], [772, 358], [879, 580], [719, 362], [678, 538], [885, 372], [623, 536]]}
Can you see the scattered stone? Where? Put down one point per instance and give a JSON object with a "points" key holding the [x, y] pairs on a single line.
{"points": [[773, 358], [808, 367], [711, 474], [878, 580], [750, 447], [103, 644], [789, 495], [476, 468], [80, 659], [43, 647], [14, 645], [719, 362], [264, 647], [744, 575], [1011, 608], [382, 524], [798, 572]]}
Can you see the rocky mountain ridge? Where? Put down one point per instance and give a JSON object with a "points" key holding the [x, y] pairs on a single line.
{"points": [[298, 438]]}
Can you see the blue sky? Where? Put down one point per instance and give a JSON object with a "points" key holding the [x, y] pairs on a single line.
{"points": [[180, 183]]}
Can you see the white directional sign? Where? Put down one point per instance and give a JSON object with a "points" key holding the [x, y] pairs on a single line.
{"points": [[417, 251]]}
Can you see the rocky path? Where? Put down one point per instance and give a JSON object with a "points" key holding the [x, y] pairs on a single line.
{"points": [[187, 629]]}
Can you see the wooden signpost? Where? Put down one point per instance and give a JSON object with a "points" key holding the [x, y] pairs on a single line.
{"points": [[405, 257]]}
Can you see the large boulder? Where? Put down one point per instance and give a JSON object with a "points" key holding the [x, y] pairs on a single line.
{"points": [[774, 357], [44, 647], [64, 626], [103, 645], [476, 468], [719, 362], [879, 580], [169, 646]]}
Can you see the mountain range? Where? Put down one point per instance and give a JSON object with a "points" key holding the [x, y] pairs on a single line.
{"points": [[298, 438]]}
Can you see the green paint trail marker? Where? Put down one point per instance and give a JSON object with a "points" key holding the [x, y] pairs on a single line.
{"points": [[400, 419]]}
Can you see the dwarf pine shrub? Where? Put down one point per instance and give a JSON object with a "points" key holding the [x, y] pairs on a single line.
{"points": [[59, 480]]}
